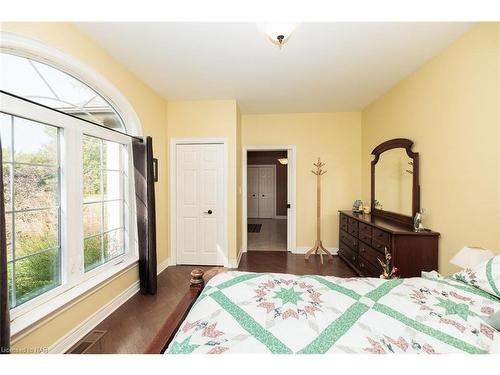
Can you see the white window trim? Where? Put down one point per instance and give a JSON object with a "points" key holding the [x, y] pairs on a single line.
{"points": [[60, 298], [27, 314]]}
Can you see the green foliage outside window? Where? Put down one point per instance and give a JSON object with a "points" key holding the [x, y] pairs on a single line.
{"points": [[36, 263]]}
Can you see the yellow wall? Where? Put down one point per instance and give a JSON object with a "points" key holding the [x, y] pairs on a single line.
{"points": [[450, 108], [152, 112], [217, 118], [335, 137]]}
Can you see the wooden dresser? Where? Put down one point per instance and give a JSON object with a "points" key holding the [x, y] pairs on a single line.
{"points": [[363, 238]]}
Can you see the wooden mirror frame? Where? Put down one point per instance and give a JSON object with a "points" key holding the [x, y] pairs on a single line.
{"points": [[377, 151]]}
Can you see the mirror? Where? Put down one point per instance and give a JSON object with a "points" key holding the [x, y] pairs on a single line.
{"points": [[395, 190], [394, 181]]}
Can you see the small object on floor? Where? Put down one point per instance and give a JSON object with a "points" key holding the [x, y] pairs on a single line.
{"points": [[254, 228], [318, 247]]}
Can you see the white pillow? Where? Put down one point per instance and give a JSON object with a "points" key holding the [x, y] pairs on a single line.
{"points": [[486, 276]]}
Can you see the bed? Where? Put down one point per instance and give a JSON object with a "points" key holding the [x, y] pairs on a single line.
{"points": [[242, 312]]}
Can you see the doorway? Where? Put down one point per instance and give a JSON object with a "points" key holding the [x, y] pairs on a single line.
{"points": [[267, 200]]}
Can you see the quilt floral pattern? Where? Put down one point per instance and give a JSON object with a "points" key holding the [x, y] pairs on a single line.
{"points": [[241, 312]]}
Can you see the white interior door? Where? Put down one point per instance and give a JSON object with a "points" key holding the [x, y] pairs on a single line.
{"points": [[200, 214], [267, 191], [253, 192]]}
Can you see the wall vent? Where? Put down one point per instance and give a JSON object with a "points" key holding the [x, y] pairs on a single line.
{"points": [[85, 344]]}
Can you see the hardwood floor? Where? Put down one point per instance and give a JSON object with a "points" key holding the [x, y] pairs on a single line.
{"points": [[133, 325], [284, 262]]}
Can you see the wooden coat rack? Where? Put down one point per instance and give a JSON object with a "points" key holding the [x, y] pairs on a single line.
{"points": [[318, 247]]}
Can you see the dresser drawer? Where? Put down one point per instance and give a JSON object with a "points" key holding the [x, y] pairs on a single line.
{"points": [[353, 229], [380, 246], [344, 219], [344, 222], [367, 269], [353, 222], [365, 228], [381, 237], [349, 240], [348, 253], [366, 238], [370, 255]]}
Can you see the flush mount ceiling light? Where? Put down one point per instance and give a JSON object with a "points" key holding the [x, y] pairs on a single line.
{"points": [[278, 32], [283, 161]]}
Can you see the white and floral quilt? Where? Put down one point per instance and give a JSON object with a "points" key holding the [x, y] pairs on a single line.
{"points": [[241, 312]]}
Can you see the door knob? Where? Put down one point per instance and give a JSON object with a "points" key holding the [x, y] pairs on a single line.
{"points": [[253, 195], [263, 195], [208, 212]]}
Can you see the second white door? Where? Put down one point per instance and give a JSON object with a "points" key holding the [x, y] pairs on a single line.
{"points": [[261, 201], [200, 209]]}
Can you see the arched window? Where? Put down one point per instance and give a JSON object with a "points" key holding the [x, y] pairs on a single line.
{"points": [[56, 89], [69, 198]]}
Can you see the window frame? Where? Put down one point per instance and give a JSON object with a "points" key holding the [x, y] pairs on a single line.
{"points": [[74, 280], [12, 209], [124, 226], [22, 46], [46, 82]]}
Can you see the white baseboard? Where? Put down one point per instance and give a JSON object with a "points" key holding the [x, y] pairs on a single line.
{"points": [[163, 265], [240, 254], [236, 263], [304, 249], [72, 337]]}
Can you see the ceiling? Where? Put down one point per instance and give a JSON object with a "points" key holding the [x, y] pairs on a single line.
{"points": [[324, 67]]}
